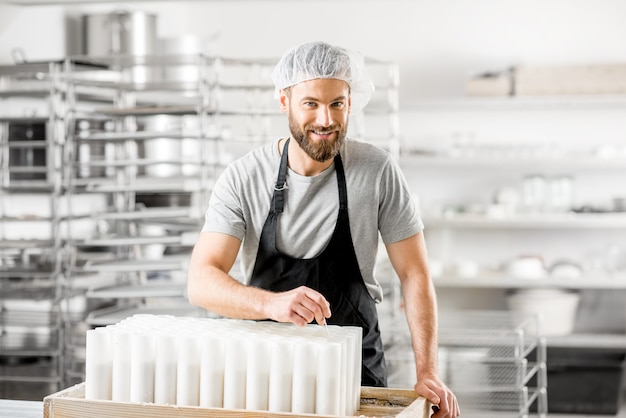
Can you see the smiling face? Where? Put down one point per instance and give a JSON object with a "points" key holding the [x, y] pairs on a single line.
{"points": [[318, 113]]}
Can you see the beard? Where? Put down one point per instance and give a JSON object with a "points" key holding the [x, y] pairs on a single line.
{"points": [[322, 150]]}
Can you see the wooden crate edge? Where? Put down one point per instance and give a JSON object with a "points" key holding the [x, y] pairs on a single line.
{"points": [[73, 397]]}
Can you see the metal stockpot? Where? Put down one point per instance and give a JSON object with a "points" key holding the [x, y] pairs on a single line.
{"points": [[119, 33]]}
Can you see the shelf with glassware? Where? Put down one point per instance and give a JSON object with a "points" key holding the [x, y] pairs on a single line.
{"points": [[524, 278], [523, 212], [31, 221], [522, 183], [504, 284]]}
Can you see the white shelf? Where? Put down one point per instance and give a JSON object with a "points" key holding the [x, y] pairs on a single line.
{"points": [[507, 161], [539, 103], [600, 341], [610, 220], [502, 281]]}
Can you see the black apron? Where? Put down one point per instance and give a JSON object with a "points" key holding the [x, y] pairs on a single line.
{"points": [[334, 273]]}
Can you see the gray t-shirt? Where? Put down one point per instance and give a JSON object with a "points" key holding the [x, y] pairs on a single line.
{"points": [[379, 199]]}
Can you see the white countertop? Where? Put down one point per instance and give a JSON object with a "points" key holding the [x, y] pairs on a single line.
{"points": [[20, 409]]}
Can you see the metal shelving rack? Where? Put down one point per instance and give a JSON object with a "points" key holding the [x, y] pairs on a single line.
{"points": [[127, 150], [494, 362], [127, 198], [31, 247]]}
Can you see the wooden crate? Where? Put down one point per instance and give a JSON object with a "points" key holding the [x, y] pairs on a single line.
{"points": [[375, 402]]}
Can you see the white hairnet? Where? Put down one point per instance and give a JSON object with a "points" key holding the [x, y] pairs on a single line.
{"points": [[320, 60]]}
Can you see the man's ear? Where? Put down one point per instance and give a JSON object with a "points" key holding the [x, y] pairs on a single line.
{"points": [[283, 100]]}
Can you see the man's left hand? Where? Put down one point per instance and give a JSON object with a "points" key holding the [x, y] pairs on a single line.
{"points": [[437, 393]]}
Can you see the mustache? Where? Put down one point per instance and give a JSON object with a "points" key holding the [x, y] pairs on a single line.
{"points": [[323, 129]]}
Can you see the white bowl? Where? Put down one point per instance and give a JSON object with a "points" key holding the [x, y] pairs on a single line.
{"points": [[527, 268]]}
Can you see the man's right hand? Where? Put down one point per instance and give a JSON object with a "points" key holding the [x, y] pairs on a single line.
{"points": [[299, 306]]}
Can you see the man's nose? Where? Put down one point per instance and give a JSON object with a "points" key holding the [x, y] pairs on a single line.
{"points": [[324, 116]]}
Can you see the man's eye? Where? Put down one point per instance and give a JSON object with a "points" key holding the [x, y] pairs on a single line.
{"points": [[309, 104], [338, 104]]}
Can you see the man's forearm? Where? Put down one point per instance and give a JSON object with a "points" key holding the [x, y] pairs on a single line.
{"points": [[421, 314], [213, 289]]}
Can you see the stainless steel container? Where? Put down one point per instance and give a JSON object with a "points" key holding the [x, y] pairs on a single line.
{"points": [[122, 33], [186, 49], [119, 33]]}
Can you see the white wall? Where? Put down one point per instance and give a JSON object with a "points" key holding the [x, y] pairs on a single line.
{"points": [[437, 43]]}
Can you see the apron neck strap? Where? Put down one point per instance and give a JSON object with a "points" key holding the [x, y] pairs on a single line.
{"points": [[281, 182], [278, 200], [341, 183]]}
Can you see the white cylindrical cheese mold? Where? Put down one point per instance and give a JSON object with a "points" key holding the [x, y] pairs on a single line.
{"points": [[328, 384], [188, 371], [120, 390], [235, 360], [304, 378], [281, 372], [165, 370], [212, 372], [98, 364], [142, 358], [257, 373]]}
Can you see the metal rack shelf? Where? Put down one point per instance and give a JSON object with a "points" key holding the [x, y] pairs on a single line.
{"points": [[164, 264], [148, 214], [31, 340], [140, 184], [100, 124], [156, 111], [125, 136], [33, 370], [147, 290], [125, 240], [489, 359], [24, 119]]}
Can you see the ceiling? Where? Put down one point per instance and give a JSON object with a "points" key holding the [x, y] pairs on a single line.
{"points": [[50, 2]]}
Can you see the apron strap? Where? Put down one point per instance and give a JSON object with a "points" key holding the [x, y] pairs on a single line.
{"points": [[278, 200], [341, 183]]}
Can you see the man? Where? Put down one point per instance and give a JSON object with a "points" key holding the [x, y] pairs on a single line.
{"points": [[307, 210]]}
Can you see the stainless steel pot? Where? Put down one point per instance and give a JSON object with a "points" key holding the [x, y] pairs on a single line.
{"points": [[122, 33], [119, 33], [187, 48]]}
